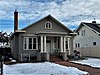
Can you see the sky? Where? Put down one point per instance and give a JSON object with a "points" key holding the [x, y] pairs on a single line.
{"points": [[69, 12]]}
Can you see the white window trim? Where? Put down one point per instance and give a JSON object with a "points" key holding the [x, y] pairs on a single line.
{"points": [[83, 32], [27, 45], [48, 26]]}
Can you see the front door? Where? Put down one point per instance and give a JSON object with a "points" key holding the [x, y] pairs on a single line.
{"points": [[48, 45]]}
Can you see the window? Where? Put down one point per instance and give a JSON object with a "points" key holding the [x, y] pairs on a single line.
{"points": [[34, 43], [83, 33], [66, 44], [48, 25], [25, 43], [94, 43], [30, 43], [78, 45]]}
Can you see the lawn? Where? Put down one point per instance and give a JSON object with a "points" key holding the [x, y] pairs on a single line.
{"points": [[45, 68], [93, 62]]}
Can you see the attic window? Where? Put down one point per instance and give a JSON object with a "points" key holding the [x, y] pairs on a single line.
{"points": [[48, 25]]}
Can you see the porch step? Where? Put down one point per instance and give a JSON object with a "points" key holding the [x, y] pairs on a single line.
{"points": [[54, 58]]}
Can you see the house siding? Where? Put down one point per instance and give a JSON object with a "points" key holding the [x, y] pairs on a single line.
{"points": [[33, 53], [40, 27], [86, 43]]}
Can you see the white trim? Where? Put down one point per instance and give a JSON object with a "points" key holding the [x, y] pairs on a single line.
{"points": [[47, 26], [27, 45], [68, 43], [61, 44], [41, 43], [44, 43], [29, 35], [64, 44], [19, 31], [90, 28]]}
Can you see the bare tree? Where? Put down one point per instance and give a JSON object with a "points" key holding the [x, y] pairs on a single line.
{"points": [[4, 38]]}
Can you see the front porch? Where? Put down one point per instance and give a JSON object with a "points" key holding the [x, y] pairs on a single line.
{"points": [[51, 44]]}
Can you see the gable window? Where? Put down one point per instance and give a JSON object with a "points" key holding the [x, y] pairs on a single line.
{"points": [[48, 25], [94, 43], [83, 33], [30, 43]]}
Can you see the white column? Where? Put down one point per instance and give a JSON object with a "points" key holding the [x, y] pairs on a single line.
{"points": [[69, 51], [64, 44], [68, 43], [44, 43], [61, 43], [41, 43]]}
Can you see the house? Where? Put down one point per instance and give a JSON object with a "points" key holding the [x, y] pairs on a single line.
{"points": [[87, 40], [40, 39]]}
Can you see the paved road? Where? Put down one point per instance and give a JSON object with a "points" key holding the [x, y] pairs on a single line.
{"points": [[92, 71]]}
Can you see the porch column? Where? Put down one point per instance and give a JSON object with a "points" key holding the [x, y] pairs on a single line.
{"points": [[41, 43], [44, 43], [71, 46], [61, 43], [64, 44], [68, 43]]}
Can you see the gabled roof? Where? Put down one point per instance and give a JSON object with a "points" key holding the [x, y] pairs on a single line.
{"points": [[92, 26], [51, 17]]}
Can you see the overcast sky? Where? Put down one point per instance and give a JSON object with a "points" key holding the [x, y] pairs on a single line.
{"points": [[68, 12]]}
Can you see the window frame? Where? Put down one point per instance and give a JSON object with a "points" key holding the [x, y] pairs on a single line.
{"points": [[48, 25], [83, 32], [27, 43]]}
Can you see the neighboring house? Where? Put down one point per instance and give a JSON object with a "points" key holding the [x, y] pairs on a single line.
{"points": [[41, 39], [87, 40]]}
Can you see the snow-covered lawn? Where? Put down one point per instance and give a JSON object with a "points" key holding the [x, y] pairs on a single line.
{"points": [[45, 68], [93, 62]]}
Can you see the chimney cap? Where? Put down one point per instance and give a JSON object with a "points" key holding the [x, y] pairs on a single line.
{"points": [[93, 21], [16, 10]]}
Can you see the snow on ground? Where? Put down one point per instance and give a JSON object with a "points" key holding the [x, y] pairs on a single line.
{"points": [[45, 68], [93, 62]]}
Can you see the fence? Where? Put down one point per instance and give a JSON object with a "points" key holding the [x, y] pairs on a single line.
{"points": [[90, 51]]}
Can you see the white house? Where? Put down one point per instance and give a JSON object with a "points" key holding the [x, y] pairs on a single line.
{"points": [[87, 40]]}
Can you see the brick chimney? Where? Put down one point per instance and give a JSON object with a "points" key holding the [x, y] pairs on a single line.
{"points": [[15, 20]]}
